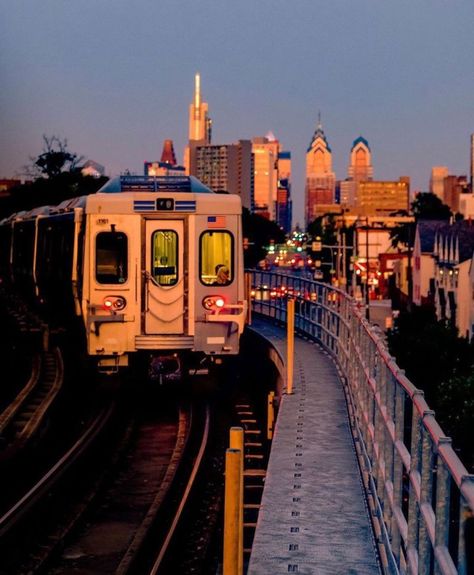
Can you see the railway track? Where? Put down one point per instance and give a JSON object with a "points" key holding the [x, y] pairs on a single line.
{"points": [[107, 527], [24, 416], [153, 504], [21, 522], [113, 535]]}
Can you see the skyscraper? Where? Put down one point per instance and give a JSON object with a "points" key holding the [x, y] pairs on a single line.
{"points": [[265, 151], [284, 203], [360, 167], [200, 127], [199, 122], [360, 170], [320, 179], [227, 168], [438, 173]]}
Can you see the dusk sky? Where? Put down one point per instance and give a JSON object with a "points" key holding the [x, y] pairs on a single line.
{"points": [[115, 78]]}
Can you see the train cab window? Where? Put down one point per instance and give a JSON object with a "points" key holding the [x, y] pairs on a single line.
{"points": [[164, 255], [111, 258], [216, 265]]}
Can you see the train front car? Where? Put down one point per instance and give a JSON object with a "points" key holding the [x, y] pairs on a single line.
{"points": [[163, 265]]}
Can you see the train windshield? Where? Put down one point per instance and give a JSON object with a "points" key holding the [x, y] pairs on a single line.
{"points": [[216, 261], [111, 258], [165, 257]]}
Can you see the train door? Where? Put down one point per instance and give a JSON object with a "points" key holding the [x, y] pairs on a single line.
{"points": [[164, 277]]}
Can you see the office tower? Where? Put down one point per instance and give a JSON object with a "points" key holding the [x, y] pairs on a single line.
{"points": [[382, 198], [284, 203], [438, 173], [454, 186], [360, 169], [199, 122], [320, 179], [360, 166], [265, 151], [227, 168], [200, 127]]}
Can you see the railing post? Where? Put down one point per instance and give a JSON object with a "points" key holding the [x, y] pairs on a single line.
{"points": [[413, 506], [466, 519], [270, 414], [398, 472], [248, 294], [443, 498], [290, 344], [233, 466], [236, 441], [426, 489], [388, 443]]}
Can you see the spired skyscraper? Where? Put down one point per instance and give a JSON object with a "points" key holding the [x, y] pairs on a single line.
{"points": [[200, 127], [224, 167], [320, 179]]}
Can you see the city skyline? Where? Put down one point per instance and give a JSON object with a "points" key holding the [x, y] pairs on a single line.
{"points": [[117, 83]]}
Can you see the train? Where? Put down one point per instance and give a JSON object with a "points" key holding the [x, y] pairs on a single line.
{"points": [[147, 264]]}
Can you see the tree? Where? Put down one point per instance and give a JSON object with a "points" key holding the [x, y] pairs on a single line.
{"points": [[426, 206], [55, 177], [259, 231], [54, 160], [430, 350], [455, 412]]}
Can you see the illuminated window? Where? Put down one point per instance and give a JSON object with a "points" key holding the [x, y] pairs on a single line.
{"points": [[216, 266], [164, 254], [111, 258]]}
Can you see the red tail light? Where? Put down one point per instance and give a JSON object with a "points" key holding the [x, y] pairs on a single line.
{"points": [[212, 302], [114, 303]]}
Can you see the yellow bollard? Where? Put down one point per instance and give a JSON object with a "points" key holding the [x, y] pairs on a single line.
{"points": [[290, 346], [270, 414], [233, 466], [236, 441], [248, 295]]}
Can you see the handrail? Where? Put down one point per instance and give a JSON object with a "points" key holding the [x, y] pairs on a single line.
{"points": [[425, 494]]}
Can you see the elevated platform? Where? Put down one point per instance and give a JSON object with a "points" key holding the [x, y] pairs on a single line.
{"points": [[313, 518]]}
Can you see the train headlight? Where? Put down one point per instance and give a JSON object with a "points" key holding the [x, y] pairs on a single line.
{"points": [[114, 303], [213, 302]]}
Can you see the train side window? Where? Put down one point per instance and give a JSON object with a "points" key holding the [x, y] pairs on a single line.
{"points": [[164, 255], [111, 258], [216, 251]]}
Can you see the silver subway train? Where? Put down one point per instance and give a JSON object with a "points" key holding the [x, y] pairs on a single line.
{"points": [[146, 264]]}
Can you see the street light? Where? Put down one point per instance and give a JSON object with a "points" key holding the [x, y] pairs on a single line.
{"points": [[367, 309]]}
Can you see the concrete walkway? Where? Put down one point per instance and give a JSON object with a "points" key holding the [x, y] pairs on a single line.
{"points": [[313, 517]]}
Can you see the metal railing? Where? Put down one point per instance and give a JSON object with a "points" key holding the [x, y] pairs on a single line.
{"points": [[424, 496]]}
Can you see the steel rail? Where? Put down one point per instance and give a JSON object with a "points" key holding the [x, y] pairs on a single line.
{"points": [[140, 535], [12, 517], [197, 464], [12, 409]]}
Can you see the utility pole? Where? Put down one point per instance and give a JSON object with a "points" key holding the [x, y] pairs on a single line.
{"points": [[344, 260]]}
